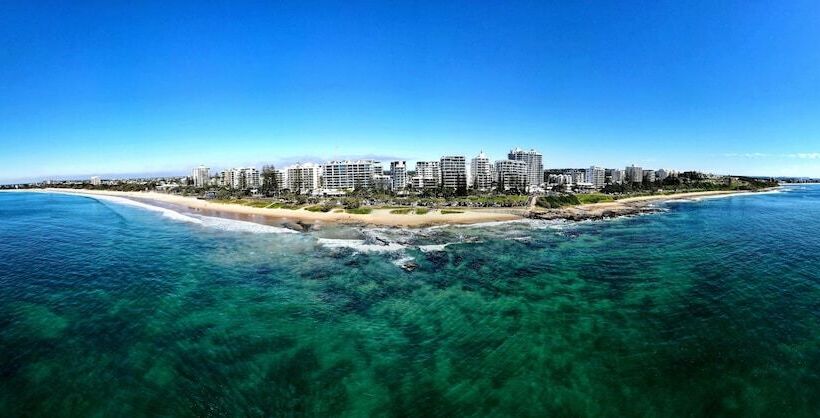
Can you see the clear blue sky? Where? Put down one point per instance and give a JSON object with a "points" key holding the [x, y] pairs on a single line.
{"points": [[128, 87]]}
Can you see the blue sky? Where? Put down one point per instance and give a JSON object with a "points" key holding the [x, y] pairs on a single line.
{"points": [[114, 87]]}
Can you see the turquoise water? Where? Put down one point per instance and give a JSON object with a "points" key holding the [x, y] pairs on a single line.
{"points": [[710, 308]]}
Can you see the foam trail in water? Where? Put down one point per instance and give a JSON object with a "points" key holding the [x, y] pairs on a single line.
{"points": [[168, 213], [360, 245], [233, 225], [433, 247]]}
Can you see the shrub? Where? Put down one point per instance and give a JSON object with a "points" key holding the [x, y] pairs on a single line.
{"points": [[359, 211], [553, 202]]}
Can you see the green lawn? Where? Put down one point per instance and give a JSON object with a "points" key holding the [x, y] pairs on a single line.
{"points": [[359, 211], [594, 198], [450, 211]]}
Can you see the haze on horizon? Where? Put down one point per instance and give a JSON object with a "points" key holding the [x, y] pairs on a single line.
{"points": [[726, 87]]}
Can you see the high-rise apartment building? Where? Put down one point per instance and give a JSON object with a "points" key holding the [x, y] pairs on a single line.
{"points": [[201, 176], [596, 176], [428, 175], [453, 172], [482, 172], [634, 174], [340, 175], [649, 176], [617, 176], [398, 174], [512, 174], [535, 165], [302, 178]]}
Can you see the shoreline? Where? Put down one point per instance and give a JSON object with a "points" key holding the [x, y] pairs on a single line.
{"points": [[625, 207], [298, 218], [302, 219]]}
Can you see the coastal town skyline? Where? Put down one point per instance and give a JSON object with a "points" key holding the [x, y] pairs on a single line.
{"points": [[286, 162]]}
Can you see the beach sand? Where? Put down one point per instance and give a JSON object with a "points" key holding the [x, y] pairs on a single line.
{"points": [[378, 217], [301, 218]]}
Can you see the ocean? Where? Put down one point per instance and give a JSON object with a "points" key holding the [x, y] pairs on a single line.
{"points": [[115, 308]]}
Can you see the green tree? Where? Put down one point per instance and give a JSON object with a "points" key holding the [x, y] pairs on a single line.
{"points": [[270, 183]]}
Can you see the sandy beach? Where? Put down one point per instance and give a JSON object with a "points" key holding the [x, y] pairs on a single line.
{"points": [[383, 217], [379, 217]]}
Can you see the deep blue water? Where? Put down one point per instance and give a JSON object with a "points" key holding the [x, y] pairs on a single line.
{"points": [[710, 308]]}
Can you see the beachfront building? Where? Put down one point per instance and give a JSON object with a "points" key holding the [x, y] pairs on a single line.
{"points": [[240, 178], [303, 178], [649, 176], [95, 180], [512, 174], [634, 174], [277, 177], [596, 176], [428, 175], [482, 172], [617, 176], [535, 165], [453, 172], [250, 178], [578, 175], [346, 175], [398, 174], [201, 176], [383, 182], [226, 178], [661, 175]]}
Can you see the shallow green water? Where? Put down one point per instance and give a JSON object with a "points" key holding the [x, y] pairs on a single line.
{"points": [[708, 309]]}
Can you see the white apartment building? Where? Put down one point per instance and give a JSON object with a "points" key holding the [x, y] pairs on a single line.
{"points": [[535, 165], [634, 174], [95, 180], [339, 175], [428, 175], [661, 175], [482, 172], [201, 176], [382, 182], [453, 172], [596, 176], [649, 176], [226, 178], [398, 174], [559, 179], [240, 178], [512, 174], [578, 176], [303, 178]]}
